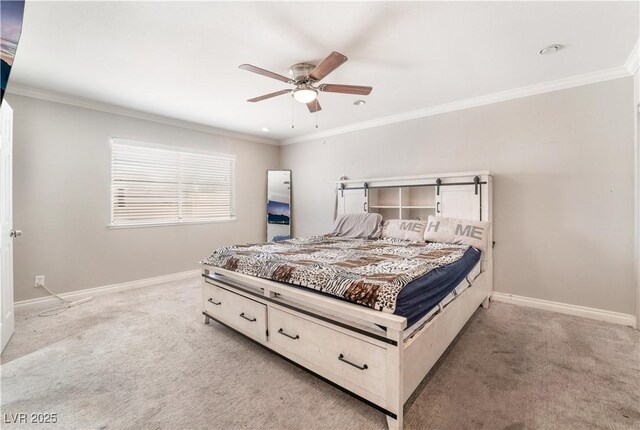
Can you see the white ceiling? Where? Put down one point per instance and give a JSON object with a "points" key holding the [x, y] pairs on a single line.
{"points": [[180, 60]]}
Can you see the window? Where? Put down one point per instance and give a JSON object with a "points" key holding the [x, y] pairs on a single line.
{"points": [[154, 184]]}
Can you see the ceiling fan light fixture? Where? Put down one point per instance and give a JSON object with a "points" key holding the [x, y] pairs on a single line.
{"points": [[305, 94], [304, 76]]}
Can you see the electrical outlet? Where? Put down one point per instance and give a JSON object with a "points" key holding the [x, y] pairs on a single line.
{"points": [[39, 282]]}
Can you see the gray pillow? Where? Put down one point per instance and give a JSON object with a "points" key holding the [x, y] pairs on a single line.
{"points": [[362, 225]]}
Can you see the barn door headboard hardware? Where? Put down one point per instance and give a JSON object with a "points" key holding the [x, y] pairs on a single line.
{"points": [[437, 184]]}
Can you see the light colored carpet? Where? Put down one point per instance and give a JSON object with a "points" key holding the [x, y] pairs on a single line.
{"points": [[144, 359]]}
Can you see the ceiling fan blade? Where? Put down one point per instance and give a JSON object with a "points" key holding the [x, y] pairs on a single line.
{"points": [[314, 106], [328, 65], [345, 89], [263, 72], [268, 96]]}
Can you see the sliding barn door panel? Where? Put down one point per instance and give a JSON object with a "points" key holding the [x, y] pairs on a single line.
{"points": [[458, 201], [352, 202]]}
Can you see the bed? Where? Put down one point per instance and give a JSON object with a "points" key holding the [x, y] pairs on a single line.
{"points": [[354, 312]]}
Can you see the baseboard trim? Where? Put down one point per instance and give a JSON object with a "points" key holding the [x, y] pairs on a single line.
{"points": [[564, 308], [547, 305], [114, 288]]}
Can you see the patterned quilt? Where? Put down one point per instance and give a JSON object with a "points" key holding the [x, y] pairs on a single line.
{"points": [[363, 271]]}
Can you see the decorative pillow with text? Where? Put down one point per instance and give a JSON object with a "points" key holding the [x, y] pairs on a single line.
{"points": [[459, 231], [404, 229]]}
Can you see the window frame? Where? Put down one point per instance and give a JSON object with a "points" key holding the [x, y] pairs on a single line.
{"points": [[142, 144]]}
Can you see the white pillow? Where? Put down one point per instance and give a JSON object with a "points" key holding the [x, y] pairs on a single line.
{"points": [[456, 230], [404, 229]]}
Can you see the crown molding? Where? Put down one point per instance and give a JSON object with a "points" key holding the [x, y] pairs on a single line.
{"points": [[633, 61], [629, 68], [545, 87], [52, 96]]}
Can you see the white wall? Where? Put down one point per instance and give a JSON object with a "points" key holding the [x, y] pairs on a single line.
{"points": [[61, 200], [564, 191], [564, 185]]}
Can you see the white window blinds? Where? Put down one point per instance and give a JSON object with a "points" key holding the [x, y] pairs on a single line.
{"points": [[164, 185]]}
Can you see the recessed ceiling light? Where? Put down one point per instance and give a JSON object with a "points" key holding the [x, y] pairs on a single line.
{"points": [[550, 49], [359, 102], [265, 129]]}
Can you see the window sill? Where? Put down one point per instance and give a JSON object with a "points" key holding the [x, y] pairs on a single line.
{"points": [[163, 224]]}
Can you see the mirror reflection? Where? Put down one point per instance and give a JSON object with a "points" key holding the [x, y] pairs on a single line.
{"points": [[278, 205]]}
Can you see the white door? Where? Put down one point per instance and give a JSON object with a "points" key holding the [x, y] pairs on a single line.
{"points": [[458, 201], [352, 202], [6, 224]]}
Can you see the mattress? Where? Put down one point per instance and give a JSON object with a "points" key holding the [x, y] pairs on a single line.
{"points": [[425, 293], [368, 272]]}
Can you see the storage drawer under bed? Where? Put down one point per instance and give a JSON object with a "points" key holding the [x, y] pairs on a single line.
{"points": [[243, 314], [347, 357]]}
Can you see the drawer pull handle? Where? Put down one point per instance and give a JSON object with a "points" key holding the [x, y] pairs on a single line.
{"points": [[363, 367], [242, 315], [215, 303], [282, 332]]}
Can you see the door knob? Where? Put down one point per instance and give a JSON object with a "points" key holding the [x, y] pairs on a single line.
{"points": [[15, 233]]}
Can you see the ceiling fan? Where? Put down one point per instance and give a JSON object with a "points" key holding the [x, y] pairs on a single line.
{"points": [[305, 77]]}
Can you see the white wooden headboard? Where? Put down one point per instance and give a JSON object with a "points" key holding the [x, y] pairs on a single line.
{"points": [[466, 195], [457, 195]]}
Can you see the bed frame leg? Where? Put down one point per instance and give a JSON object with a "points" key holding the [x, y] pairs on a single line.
{"points": [[206, 319], [486, 303], [395, 378], [394, 424]]}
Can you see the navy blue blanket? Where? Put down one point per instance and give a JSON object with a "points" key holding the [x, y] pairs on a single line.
{"points": [[421, 295]]}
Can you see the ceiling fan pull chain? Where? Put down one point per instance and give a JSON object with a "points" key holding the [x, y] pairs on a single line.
{"points": [[316, 113], [292, 126]]}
